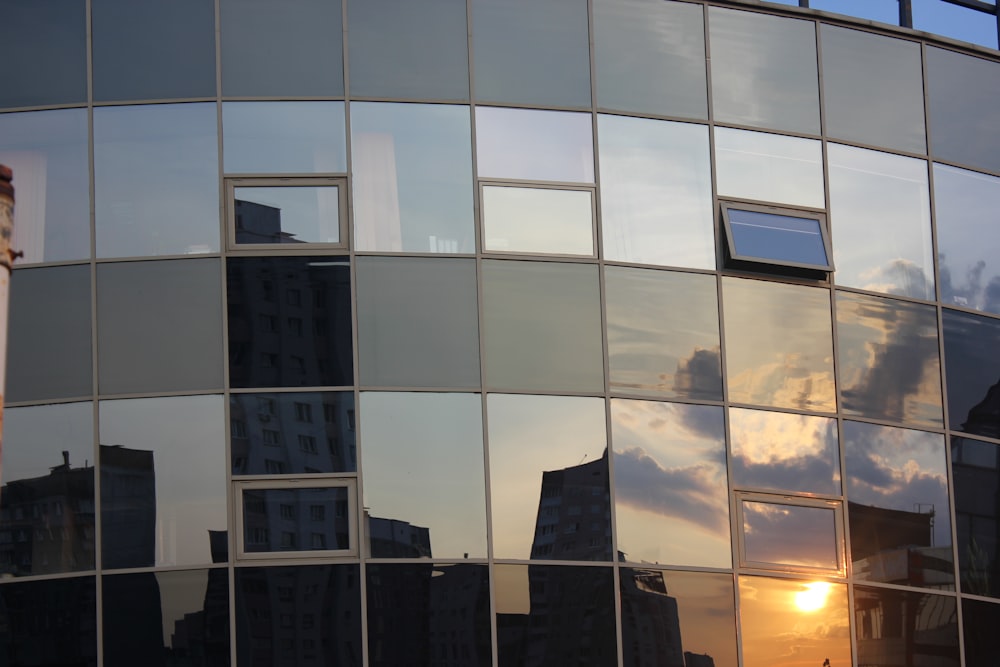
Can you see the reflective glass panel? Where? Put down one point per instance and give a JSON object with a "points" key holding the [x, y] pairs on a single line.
{"points": [[551, 64], [549, 477], [49, 341], [917, 628], [45, 53], [779, 345], [292, 433], [408, 49], [412, 177], [47, 151], [156, 172], [671, 494], [417, 322], [792, 536], [656, 192], [161, 326], [284, 137], [650, 57], [537, 220], [782, 239], [880, 217], [294, 214], [289, 322], [873, 89], [888, 360], [788, 623], [304, 52], [678, 616], [163, 481], [900, 516], [287, 616], [555, 615], [46, 623], [153, 50], [980, 621], [542, 326], [414, 442], [972, 372], [784, 452], [769, 167], [663, 333], [47, 500], [764, 70], [300, 519], [966, 204], [963, 97], [963, 23], [449, 603], [181, 616], [975, 469], [534, 145]]}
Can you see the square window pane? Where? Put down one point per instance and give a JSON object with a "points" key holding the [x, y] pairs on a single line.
{"points": [[768, 237], [769, 167], [790, 536], [887, 618], [286, 521], [31, 610], [283, 214], [284, 137], [534, 145], [537, 220]]}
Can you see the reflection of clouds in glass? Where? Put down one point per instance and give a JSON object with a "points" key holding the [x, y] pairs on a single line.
{"points": [[531, 144], [790, 535], [769, 167]]}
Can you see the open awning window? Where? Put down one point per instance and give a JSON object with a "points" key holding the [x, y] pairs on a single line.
{"points": [[766, 236]]}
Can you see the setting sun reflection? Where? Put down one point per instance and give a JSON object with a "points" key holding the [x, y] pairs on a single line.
{"points": [[813, 596]]}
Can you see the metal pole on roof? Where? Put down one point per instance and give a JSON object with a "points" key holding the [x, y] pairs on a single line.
{"points": [[905, 13], [6, 264]]}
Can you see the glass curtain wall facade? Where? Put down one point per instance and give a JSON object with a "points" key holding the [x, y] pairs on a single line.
{"points": [[481, 332]]}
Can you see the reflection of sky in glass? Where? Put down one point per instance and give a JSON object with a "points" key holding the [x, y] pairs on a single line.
{"points": [[529, 435], [412, 442], [35, 437], [888, 359], [790, 535], [769, 167], [880, 217], [784, 452], [966, 204], [788, 623], [779, 348], [186, 435], [284, 137], [972, 369], [305, 214], [670, 483], [535, 220], [656, 192], [663, 333], [529, 144]]}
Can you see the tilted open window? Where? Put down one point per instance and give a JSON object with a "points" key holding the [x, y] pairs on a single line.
{"points": [[786, 241]]}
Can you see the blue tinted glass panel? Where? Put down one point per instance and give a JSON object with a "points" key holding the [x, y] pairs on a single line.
{"points": [[779, 238]]}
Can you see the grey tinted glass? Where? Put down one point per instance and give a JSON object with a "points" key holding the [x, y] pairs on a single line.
{"points": [[551, 64], [972, 371], [530, 144], [782, 239], [663, 333], [148, 615], [29, 642], [966, 24], [963, 101], [417, 322], [656, 192], [650, 57], [47, 516], [779, 345], [790, 535], [163, 481], [153, 50], [885, 617], [888, 360], [537, 220], [769, 167], [764, 70], [549, 477], [975, 469], [784, 452], [966, 204], [873, 89], [542, 326], [880, 217], [293, 214], [671, 493], [291, 433], [161, 326], [284, 137], [412, 177], [980, 621], [49, 344], [47, 150], [293, 520], [408, 49], [303, 54], [414, 442], [156, 171], [897, 485], [45, 51]]}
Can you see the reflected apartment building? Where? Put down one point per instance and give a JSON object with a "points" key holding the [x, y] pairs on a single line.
{"points": [[611, 333]]}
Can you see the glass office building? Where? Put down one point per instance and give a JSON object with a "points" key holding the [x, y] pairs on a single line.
{"points": [[501, 332]]}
